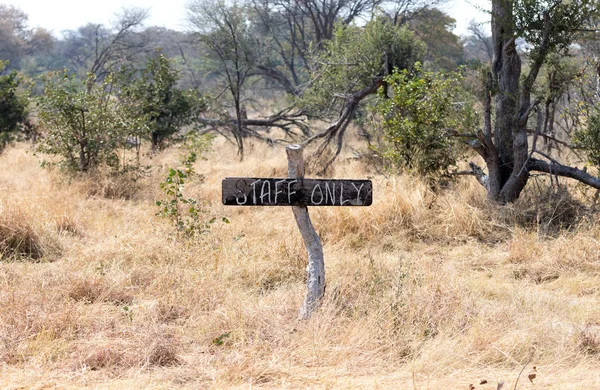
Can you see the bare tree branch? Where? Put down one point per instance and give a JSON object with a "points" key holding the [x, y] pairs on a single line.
{"points": [[285, 120], [338, 127], [555, 168], [480, 175]]}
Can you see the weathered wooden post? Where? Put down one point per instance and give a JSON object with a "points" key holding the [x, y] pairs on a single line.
{"points": [[298, 192], [315, 284]]}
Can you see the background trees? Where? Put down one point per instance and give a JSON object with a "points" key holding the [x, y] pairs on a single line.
{"points": [[13, 104], [352, 66], [97, 49], [85, 126], [88, 126], [317, 61], [424, 110], [156, 100], [225, 32], [443, 47], [17, 41]]}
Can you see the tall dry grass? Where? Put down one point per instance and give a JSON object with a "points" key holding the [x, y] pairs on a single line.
{"points": [[425, 290]]}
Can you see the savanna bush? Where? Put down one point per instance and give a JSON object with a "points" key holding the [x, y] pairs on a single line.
{"points": [[13, 104], [84, 127], [421, 119]]}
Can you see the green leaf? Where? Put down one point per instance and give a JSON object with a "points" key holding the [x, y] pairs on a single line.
{"points": [[220, 340]]}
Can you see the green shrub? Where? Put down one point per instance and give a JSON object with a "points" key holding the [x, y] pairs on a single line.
{"points": [[186, 213], [164, 107], [421, 119], [84, 128], [588, 139], [13, 104]]}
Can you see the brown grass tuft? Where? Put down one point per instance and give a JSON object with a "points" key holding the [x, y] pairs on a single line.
{"points": [[23, 236], [97, 289], [67, 224], [549, 211], [161, 349], [589, 339], [169, 311], [151, 347], [110, 185], [104, 356]]}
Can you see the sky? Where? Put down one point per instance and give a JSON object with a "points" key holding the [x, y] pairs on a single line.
{"points": [[59, 15]]}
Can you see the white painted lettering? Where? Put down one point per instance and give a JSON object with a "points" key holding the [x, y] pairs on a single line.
{"points": [[237, 198], [278, 192], [254, 191], [342, 201], [290, 192], [264, 194], [358, 193], [329, 192], [312, 196]]}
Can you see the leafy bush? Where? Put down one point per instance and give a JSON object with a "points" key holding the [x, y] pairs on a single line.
{"points": [[13, 104], [158, 101], [588, 139], [421, 119], [184, 212], [87, 123], [84, 128]]}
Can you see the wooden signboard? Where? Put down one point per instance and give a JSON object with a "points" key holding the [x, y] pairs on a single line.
{"points": [[298, 192], [245, 191]]}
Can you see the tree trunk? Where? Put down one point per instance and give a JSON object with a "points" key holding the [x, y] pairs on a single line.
{"points": [[238, 131], [155, 141], [315, 283], [83, 161], [507, 176]]}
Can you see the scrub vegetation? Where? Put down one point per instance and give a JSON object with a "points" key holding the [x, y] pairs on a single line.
{"points": [[424, 289], [476, 267]]}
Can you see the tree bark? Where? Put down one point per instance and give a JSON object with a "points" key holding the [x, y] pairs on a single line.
{"points": [[238, 131], [505, 185], [315, 283], [155, 141]]}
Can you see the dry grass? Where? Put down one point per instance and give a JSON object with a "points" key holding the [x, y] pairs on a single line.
{"points": [[23, 237], [424, 290]]}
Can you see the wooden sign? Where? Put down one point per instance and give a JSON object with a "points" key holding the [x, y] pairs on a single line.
{"points": [[245, 191], [299, 192]]}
